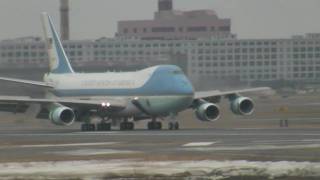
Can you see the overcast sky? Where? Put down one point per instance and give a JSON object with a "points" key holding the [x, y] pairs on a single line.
{"points": [[91, 19]]}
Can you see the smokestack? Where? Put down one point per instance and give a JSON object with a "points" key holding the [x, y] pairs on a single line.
{"points": [[165, 5], [64, 19]]}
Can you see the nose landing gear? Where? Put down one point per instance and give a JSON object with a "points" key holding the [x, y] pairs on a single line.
{"points": [[126, 125], [173, 126], [173, 123], [154, 125]]}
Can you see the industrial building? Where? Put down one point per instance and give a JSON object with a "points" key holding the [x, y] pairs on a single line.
{"points": [[174, 24], [248, 60], [208, 57]]}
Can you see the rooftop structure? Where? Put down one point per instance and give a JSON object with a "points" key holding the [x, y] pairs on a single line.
{"points": [[175, 24], [64, 19], [165, 5]]}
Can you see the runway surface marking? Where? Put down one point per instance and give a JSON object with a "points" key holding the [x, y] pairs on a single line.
{"points": [[61, 145], [310, 140], [198, 144], [90, 152], [95, 133], [164, 133], [254, 147], [281, 141]]}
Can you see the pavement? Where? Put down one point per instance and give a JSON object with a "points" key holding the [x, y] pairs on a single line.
{"points": [[198, 144], [69, 154], [233, 147]]}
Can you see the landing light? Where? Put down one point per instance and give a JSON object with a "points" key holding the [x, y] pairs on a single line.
{"points": [[105, 104]]}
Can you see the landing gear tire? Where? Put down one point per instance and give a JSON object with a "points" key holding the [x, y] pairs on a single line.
{"points": [[87, 127], [126, 126], [154, 125], [176, 126], [104, 127], [173, 126]]}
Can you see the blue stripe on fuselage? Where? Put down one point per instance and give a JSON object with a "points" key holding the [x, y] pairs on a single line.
{"points": [[164, 81]]}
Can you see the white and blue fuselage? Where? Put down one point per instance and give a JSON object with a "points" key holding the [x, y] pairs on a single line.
{"points": [[161, 89]]}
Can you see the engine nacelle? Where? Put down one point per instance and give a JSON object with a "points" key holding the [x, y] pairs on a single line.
{"points": [[62, 116], [242, 106], [208, 112]]}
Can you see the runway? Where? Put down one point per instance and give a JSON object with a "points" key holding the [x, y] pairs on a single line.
{"points": [[213, 144], [68, 153]]}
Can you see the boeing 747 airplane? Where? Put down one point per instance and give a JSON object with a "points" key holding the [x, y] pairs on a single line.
{"points": [[151, 94]]}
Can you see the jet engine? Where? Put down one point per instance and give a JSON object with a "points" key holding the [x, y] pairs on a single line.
{"points": [[61, 115], [242, 106], [207, 112]]}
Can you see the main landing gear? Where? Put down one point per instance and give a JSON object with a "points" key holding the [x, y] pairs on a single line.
{"points": [[88, 127], [125, 125], [155, 125], [102, 126], [95, 127]]}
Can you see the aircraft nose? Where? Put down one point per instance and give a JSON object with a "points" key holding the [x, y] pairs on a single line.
{"points": [[185, 87]]}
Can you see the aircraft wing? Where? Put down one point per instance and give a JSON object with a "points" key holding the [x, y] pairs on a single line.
{"points": [[20, 101], [27, 82], [210, 94]]}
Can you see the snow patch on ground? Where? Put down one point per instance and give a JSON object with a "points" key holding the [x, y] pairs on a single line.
{"points": [[195, 144], [126, 168]]}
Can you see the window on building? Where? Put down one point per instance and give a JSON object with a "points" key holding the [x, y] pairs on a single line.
{"points": [[259, 50], [18, 54], [224, 28], [163, 29], [197, 29]]}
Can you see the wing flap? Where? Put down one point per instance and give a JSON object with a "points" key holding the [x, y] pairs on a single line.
{"points": [[13, 107], [27, 82], [210, 94], [113, 103]]}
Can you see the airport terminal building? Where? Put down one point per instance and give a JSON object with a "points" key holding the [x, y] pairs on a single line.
{"points": [[207, 50]]}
